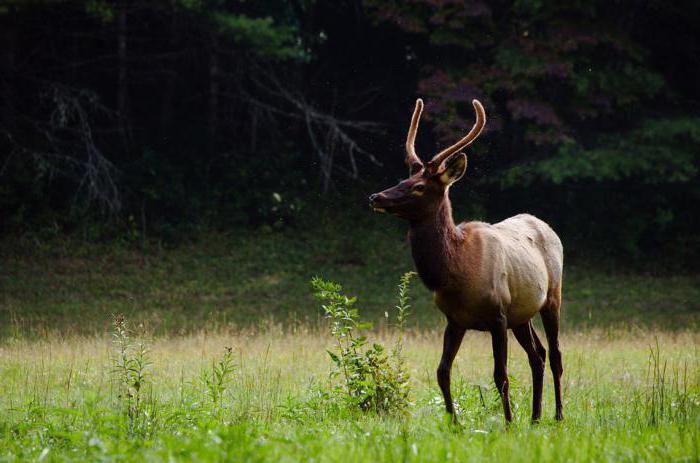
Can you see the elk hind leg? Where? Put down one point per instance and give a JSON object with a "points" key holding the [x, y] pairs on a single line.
{"points": [[525, 334], [550, 320], [499, 340]]}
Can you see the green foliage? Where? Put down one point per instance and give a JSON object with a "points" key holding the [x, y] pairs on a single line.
{"points": [[660, 151], [101, 9], [403, 307], [217, 379], [261, 35], [131, 365], [550, 72], [373, 379]]}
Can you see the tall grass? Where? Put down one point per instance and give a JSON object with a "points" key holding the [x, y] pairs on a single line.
{"points": [[627, 398]]}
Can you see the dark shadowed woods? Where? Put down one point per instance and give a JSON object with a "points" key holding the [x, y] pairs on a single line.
{"points": [[155, 121]]}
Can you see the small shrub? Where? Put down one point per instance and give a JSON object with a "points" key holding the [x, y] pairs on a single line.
{"points": [[373, 378]]}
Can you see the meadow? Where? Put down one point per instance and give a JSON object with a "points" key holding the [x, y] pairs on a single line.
{"points": [[624, 401], [231, 349]]}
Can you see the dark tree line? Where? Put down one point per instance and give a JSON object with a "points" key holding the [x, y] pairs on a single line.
{"points": [[197, 111]]}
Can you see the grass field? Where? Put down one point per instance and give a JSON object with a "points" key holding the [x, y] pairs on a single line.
{"points": [[247, 279], [624, 401], [631, 345]]}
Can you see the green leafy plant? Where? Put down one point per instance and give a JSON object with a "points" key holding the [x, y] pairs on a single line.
{"points": [[130, 367], [373, 379], [403, 306], [217, 379]]}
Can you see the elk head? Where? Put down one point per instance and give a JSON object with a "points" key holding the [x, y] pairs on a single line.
{"points": [[427, 184]]}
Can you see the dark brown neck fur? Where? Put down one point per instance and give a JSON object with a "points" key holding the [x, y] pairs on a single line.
{"points": [[433, 239]]}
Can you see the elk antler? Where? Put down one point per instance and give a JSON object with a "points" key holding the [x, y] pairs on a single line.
{"points": [[412, 158], [466, 141]]}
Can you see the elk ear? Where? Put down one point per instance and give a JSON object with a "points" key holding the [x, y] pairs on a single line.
{"points": [[454, 167]]}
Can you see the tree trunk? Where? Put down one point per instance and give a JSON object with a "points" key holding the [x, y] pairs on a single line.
{"points": [[7, 70], [166, 108], [122, 74], [213, 94]]}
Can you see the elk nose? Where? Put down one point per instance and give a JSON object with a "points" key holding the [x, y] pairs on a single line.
{"points": [[373, 197]]}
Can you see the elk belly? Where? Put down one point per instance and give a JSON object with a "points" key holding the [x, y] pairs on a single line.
{"points": [[528, 290], [472, 310], [528, 295]]}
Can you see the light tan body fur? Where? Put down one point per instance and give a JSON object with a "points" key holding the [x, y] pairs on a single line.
{"points": [[510, 267], [514, 265]]}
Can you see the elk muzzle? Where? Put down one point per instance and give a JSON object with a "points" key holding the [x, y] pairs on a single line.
{"points": [[392, 200], [375, 201]]}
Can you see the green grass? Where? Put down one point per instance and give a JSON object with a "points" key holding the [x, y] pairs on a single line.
{"points": [[59, 402], [630, 343], [246, 278]]}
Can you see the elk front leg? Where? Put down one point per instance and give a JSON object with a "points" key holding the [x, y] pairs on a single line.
{"points": [[499, 339], [452, 341]]}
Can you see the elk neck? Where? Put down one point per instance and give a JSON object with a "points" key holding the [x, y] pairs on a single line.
{"points": [[434, 238]]}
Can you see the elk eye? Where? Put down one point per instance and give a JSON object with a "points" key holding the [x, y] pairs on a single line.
{"points": [[419, 188]]}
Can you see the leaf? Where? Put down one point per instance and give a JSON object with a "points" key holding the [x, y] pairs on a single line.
{"points": [[334, 357]]}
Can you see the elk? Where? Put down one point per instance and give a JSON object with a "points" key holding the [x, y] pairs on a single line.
{"points": [[485, 277]]}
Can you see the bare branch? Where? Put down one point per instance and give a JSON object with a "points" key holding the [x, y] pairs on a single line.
{"points": [[327, 133], [70, 150]]}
